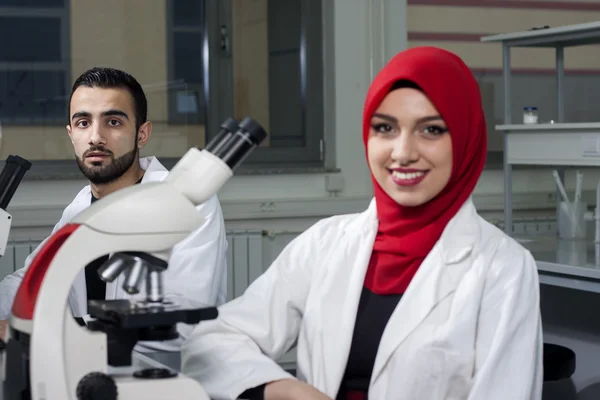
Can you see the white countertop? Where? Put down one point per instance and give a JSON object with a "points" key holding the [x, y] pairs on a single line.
{"points": [[566, 263]]}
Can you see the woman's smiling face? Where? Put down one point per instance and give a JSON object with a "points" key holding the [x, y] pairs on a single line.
{"points": [[409, 147]]}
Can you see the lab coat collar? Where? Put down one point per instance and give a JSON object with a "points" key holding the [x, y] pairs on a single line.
{"points": [[155, 171], [460, 235], [457, 240]]}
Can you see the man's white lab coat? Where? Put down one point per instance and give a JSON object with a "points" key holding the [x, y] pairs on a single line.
{"points": [[468, 326], [197, 272]]}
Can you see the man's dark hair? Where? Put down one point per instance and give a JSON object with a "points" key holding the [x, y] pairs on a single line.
{"points": [[113, 78]]}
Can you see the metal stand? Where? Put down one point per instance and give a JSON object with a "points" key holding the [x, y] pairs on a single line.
{"points": [[520, 140]]}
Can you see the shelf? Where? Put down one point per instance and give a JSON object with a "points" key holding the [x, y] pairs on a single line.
{"points": [[569, 144], [563, 36], [569, 126]]}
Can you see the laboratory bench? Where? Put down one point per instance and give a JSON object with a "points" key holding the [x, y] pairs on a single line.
{"points": [[566, 263]]}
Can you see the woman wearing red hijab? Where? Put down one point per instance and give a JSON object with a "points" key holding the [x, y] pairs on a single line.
{"points": [[418, 297]]}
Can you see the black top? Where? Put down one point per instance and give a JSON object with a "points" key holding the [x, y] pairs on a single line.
{"points": [[373, 314], [96, 287], [374, 311]]}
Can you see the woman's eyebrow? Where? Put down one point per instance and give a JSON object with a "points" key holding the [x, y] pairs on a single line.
{"points": [[386, 117], [421, 120]]}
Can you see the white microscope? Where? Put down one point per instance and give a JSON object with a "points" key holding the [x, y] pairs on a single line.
{"points": [[48, 355]]}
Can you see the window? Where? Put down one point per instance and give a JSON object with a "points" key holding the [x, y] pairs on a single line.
{"points": [[33, 61], [185, 30], [199, 62], [266, 63]]}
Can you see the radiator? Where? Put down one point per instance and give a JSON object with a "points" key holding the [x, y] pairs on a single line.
{"points": [[244, 251], [244, 260], [14, 256], [249, 254]]}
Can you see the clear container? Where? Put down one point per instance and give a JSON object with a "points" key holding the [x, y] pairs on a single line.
{"points": [[530, 115], [571, 220]]}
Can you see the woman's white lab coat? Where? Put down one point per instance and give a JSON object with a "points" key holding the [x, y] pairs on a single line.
{"points": [[468, 326]]}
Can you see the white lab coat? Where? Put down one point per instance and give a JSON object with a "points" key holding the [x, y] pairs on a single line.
{"points": [[467, 327], [197, 272]]}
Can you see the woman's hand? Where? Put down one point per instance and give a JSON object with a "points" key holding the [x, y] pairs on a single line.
{"points": [[291, 389]]}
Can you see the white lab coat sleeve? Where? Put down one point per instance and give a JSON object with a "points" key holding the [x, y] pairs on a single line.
{"points": [[10, 284], [197, 272], [238, 351], [509, 340]]}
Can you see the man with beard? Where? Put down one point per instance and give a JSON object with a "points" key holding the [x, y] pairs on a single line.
{"points": [[108, 127]]}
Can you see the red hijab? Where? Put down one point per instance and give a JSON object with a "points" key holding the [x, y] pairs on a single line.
{"points": [[407, 234]]}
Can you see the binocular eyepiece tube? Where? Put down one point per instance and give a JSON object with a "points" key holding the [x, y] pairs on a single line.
{"points": [[235, 142], [228, 127], [12, 174]]}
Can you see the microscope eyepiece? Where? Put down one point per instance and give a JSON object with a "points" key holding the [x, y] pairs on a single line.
{"points": [[235, 147], [228, 127], [255, 132]]}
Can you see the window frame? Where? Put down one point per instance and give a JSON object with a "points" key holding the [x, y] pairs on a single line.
{"points": [[64, 15], [219, 69]]}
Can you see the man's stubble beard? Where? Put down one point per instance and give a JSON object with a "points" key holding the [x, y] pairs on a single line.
{"points": [[101, 175]]}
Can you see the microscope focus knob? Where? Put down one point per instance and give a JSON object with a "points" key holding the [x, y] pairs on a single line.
{"points": [[97, 386]]}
